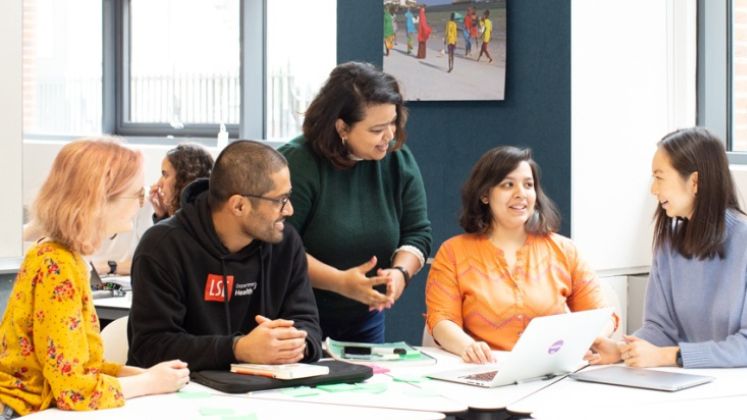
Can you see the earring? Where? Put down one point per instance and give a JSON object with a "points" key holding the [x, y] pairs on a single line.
{"points": [[344, 140]]}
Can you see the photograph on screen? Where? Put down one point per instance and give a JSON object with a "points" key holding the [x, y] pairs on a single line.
{"points": [[450, 50]]}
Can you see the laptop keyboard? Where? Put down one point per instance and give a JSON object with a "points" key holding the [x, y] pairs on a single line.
{"points": [[484, 376]]}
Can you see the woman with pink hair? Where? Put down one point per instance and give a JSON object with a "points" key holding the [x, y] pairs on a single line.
{"points": [[51, 353]]}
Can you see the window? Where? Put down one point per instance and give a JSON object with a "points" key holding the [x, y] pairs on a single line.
{"points": [[181, 68], [722, 73], [62, 67], [183, 63], [296, 65], [739, 76]]}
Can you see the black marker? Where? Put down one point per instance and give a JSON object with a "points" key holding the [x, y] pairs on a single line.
{"points": [[367, 351]]}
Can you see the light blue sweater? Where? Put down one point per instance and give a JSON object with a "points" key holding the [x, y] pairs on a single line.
{"points": [[700, 304]]}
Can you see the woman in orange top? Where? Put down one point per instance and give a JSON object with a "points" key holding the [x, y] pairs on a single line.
{"points": [[51, 352], [487, 284]]}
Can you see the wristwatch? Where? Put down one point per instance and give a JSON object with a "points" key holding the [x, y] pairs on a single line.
{"points": [[678, 358], [112, 266], [405, 273]]}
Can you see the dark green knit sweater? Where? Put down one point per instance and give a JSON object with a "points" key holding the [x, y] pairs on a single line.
{"points": [[345, 216]]}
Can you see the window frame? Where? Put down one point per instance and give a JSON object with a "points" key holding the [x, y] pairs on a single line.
{"points": [[115, 78], [715, 74]]}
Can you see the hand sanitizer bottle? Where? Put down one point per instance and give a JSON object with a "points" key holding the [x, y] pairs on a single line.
{"points": [[222, 137]]}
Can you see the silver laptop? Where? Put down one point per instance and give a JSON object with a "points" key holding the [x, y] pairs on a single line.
{"points": [[549, 346], [642, 378]]}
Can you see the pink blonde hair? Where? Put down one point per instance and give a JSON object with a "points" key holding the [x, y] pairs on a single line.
{"points": [[85, 175]]}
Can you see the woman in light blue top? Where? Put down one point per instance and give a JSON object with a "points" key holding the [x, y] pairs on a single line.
{"points": [[695, 314]]}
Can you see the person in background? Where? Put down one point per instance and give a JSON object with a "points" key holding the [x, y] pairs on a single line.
{"points": [[359, 199], [466, 31], [451, 39], [474, 31], [224, 279], [410, 28], [51, 352], [487, 33], [181, 165], [389, 32], [424, 32], [509, 266], [695, 310]]}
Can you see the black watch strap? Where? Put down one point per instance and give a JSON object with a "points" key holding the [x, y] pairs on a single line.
{"points": [[678, 358], [405, 273]]}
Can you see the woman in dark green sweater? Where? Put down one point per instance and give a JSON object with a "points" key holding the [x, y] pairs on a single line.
{"points": [[359, 201]]}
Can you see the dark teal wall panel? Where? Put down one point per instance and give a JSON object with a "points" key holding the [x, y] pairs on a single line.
{"points": [[448, 137]]}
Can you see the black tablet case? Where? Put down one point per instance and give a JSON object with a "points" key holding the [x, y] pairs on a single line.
{"points": [[236, 383]]}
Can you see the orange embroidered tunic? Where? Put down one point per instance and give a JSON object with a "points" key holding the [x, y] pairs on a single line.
{"points": [[50, 348], [469, 283]]}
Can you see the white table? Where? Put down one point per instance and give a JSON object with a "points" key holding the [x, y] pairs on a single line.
{"points": [[707, 408], [392, 394], [200, 402], [112, 308], [491, 399], [446, 397], [571, 399]]}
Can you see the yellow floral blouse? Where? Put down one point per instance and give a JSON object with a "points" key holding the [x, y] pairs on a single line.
{"points": [[50, 348]]}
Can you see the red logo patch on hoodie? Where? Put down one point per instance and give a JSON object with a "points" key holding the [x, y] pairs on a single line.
{"points": [[214, 288]]}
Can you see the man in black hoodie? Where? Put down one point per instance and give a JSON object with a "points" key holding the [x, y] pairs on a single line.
{"points": [[229, 236]]}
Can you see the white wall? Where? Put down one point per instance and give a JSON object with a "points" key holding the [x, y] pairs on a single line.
{"points": [[633, 81], [10, 127]]}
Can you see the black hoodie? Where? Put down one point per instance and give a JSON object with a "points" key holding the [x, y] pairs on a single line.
{"points": [[178, 271]]}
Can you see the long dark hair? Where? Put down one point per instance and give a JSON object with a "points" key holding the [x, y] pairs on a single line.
{"points": [[349, 90], [697, 150], [488, 172]]}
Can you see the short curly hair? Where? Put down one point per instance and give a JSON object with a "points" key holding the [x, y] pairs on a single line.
{"points": [[190, 161]]}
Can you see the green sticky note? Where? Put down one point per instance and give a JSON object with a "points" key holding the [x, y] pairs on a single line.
{"points": [[250, 416], [410, 379], [301, 391], [215, 411], [193, 394], [414, 355], [338, 387], [375, 388]]}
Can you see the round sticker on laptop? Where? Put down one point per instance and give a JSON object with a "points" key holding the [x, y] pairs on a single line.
{"points": [[555, 347]]}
